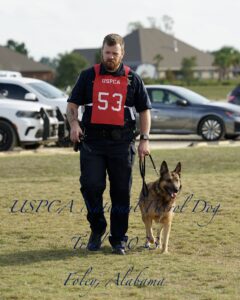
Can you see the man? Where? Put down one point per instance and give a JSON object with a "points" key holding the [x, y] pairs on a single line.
{"points": [[108, 91]]}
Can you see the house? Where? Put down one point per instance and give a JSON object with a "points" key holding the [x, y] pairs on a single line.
{"points": [[145, 44], [13, 61]]}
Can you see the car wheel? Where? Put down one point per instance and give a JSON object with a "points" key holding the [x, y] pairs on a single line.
{"points": [[8, 137], [211, 128], [231, 136]]}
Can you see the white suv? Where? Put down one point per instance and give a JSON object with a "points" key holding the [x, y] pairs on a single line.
{"points": [[30, 89], [26, 124]]}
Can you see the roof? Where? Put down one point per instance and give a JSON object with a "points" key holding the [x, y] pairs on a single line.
{"points": [[14, 61], [89, 54], [19, 79], [142, 45]]}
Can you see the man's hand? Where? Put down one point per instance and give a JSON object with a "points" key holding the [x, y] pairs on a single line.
{"points": [[143, 148], [72, 116], [75, 133], [145, 123]]}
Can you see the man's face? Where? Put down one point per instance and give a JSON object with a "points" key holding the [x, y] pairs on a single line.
{"points": [[112, 57]]}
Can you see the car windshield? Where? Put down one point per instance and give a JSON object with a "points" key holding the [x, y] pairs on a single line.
{"points": [[192, 96], [47, 90]]}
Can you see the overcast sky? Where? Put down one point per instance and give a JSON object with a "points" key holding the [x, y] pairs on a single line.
{"points": [[50, 27]]}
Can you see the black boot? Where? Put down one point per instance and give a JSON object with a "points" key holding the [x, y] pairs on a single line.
{"points": [[118, 249], [94, 242]]}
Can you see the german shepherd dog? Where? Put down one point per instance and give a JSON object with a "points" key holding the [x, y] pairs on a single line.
{"points": [[158, 205]]}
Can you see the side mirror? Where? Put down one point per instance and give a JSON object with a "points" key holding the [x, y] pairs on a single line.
{"points": [[182, 102], [30, 97]]}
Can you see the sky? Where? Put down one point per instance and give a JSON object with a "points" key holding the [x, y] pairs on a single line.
{"points": [[51, 27]]}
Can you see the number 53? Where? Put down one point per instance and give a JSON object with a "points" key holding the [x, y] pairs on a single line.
{"points": [[101, 96]]}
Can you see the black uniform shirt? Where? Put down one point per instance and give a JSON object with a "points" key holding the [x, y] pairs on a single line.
{"points": [[137, 96]]}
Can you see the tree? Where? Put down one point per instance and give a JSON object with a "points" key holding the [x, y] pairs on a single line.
{"points": [[187, 65], [153, 22], [18, 47], [69, 67], [224, 59], [53, 63], [236, 62], [165, 19], [236, 58], [98, 56], [170, 75], [157, 59], [134, 26], [168, 24]]}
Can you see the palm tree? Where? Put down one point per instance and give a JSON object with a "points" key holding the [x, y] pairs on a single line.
{"points": [[157, 59]]}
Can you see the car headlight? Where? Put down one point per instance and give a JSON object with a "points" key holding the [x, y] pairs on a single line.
{"points": [[28, 114]]}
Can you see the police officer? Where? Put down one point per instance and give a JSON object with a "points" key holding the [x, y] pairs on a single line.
{"points": [[108, 92]]}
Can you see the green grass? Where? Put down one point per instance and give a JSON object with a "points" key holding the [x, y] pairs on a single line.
{"points": [[218, 92], [37, 251]]}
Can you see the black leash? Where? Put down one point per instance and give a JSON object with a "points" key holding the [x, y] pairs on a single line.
{"points": [[142, 168]]}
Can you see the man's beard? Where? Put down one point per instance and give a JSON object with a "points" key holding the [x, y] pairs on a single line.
{"points": [[111, 64]]}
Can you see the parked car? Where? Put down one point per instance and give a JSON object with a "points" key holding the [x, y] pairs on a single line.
{"points": [[234, 96], [26, 124], [177, 110], [36, 91], [31, 89], [10, 74]]}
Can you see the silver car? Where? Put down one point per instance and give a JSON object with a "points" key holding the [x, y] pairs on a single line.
{"points": [[177, 110]]}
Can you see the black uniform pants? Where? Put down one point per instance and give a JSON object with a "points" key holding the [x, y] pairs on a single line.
{"points": [[115, 158]]}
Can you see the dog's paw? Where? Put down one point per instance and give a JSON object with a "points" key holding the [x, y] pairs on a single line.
{"points": [[164, 252], [147, 245]]}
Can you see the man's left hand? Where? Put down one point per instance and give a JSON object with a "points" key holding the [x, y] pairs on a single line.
{"points": [[143, 148]]}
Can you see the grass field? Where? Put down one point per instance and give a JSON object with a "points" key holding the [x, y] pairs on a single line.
{"points": [[219, 92], [37, 244]]}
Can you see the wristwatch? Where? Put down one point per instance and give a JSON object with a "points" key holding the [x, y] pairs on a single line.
{"points": [[144, 137]]}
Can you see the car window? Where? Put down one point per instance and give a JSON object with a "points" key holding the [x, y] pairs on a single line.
{"points": [[47, 90], [191, 96], [157, 96], [12, 91], [163, 96], [172, 98]]}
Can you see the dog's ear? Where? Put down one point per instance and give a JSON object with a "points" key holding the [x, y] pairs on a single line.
{"points": [[164, 168], [178, 168]]}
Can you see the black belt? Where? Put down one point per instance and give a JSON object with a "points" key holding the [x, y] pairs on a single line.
{"points": [[112, 134]]}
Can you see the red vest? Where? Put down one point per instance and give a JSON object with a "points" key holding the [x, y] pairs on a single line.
{"points": [[109, 97]]}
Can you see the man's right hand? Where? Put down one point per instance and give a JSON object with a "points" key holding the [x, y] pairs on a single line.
{"points": [[75, 133]]}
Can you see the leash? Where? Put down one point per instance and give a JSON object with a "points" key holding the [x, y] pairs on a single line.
{"points": [[142, 169]]}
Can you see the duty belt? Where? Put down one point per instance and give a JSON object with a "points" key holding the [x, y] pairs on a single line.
{"points": [[112, 134]]}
